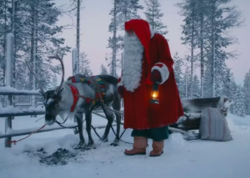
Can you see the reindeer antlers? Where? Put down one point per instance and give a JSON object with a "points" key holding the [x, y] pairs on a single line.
{"points": [[38, 81], [63, 70], [63, 73]]}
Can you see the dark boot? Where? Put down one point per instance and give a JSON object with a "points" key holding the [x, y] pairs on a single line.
{"points": [[157, 148], [139, 147]]}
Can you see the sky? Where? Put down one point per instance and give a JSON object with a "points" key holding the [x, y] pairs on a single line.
{"points": [[95, 20]]}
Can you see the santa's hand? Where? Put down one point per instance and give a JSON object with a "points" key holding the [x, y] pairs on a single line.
{"points": [[120, 90], [155, 76]]}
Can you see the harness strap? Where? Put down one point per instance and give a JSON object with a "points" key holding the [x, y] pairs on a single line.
{"points": [[75, 94], [97, 88]]}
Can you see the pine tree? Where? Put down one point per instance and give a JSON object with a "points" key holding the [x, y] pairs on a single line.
{"points": [[207, 23], [153, 15], [189, 30], [36, 38], [127, 10], [234, 88], [207, 92], [228, 89], [194, 13], [239, 105], [196, 87], [221, 17], [178, 63], [104, 70], [123, 10], [84, 67], [246, 90], [113, 41]]}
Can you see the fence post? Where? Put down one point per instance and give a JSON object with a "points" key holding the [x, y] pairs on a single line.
{"points": [[8, 78]]}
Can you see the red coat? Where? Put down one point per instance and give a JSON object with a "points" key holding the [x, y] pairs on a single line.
{"points": [[139, 113]]}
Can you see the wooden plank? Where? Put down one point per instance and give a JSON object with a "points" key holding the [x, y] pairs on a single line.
{"points": [[13, 91], [25, 113], [16, 133], [18, 93]]}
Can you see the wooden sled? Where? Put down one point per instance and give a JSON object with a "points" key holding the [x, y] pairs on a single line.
{"points": [[193, 108]]}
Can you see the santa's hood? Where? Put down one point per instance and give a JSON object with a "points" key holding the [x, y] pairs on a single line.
{"points": [[142, 31]]}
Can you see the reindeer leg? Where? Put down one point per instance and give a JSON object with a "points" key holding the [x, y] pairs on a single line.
{"points": [[118, 125], [117, 106], [88, 128], [110, 118], [75, 129], [81, 144]]}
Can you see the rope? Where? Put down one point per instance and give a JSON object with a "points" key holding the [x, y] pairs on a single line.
{"points": [[15, 141]]}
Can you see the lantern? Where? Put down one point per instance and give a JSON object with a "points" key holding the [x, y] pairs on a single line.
{"points": [[155, 94]]}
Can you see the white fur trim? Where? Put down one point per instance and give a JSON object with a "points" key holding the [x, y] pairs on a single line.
{"points": [[152, 32], [163, 71]]}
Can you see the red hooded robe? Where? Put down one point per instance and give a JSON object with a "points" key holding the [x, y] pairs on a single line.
{"points": [[139, 113]]}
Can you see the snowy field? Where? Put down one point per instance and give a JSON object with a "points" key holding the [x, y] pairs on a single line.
{"points": [[181, 159]]}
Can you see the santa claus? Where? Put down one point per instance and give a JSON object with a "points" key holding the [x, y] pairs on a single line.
{"points": [[147, 60]]}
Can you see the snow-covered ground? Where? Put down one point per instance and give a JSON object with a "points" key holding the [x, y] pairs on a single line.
{"points": [[181, 159]]}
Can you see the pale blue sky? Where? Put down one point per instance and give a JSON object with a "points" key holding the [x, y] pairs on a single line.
{"points": [[95, 19]]}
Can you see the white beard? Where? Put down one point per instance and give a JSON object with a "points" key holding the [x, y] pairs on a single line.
{"points": [[132, 66]]}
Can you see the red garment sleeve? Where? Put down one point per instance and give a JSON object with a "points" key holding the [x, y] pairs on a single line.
{"points": [[165, 61]]}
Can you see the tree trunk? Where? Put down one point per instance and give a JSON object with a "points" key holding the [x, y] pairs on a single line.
{"points": [[213, 52], [186, 83], [13, 18], [201, 51], [192, 55], [5, 36], [114, 50], [34, 13], [78, 35]]}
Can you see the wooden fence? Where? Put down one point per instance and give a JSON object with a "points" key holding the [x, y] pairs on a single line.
{"points": [[9, 112]]}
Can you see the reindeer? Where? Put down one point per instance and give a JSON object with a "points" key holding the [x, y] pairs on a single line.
{"points": [[72, 99]]}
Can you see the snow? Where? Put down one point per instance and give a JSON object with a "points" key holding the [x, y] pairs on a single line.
{"points": [[181, 158]]}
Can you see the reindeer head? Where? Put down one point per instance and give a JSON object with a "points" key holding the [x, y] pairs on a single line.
{"points": [[52, 98]]}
